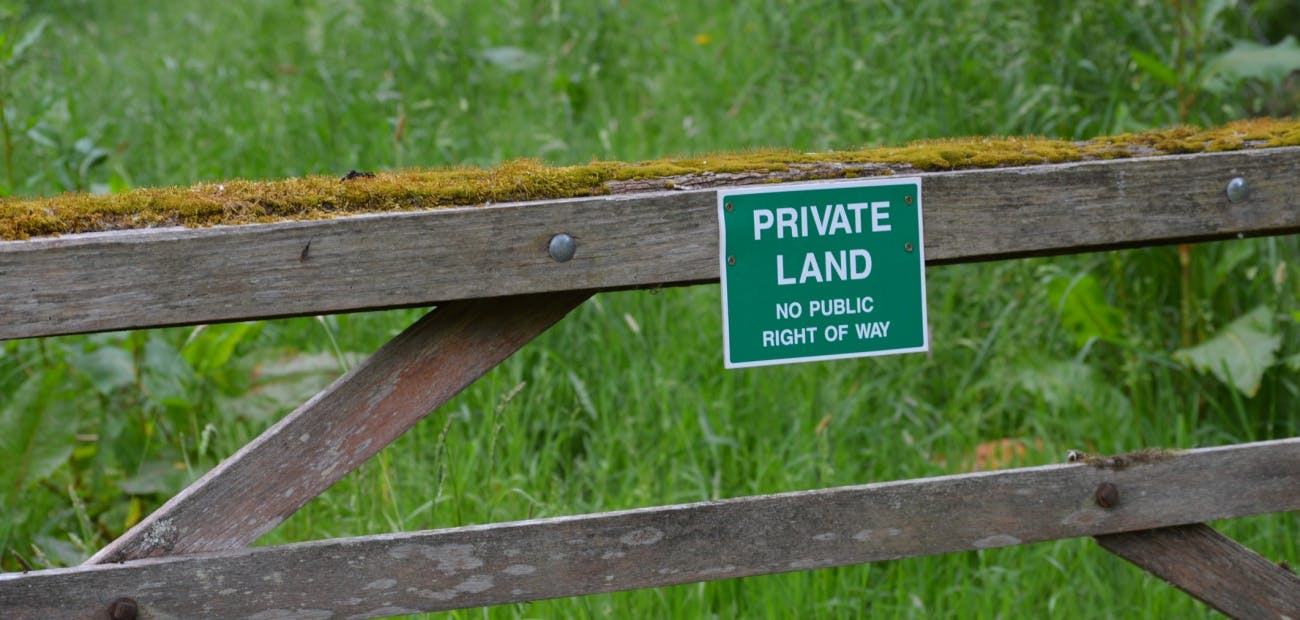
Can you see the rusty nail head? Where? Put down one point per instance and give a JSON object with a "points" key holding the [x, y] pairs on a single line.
{"points": [[728, 206], [907, 247], [1106, 495], [123, 609], [562, 248], [1237, 190], [731, 260], [907, 199]]}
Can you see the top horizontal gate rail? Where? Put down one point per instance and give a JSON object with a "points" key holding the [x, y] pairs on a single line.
{"points": [[496, 288], [152, 278]]}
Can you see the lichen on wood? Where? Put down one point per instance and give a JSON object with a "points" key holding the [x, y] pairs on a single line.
{"points": [[316, 197]]}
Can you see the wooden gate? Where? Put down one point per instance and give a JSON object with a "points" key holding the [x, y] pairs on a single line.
{"points": [[497, 285]]}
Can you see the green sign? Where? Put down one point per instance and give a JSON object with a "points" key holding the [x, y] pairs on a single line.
{"points": [[821, 271]]}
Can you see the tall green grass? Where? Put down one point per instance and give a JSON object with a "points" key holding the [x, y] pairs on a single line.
{"points": [[625, 403]]}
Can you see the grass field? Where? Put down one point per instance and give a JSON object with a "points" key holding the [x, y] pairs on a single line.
{"points": [[625, 403]]}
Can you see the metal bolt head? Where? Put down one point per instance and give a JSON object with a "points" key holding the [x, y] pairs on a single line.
{"points": [[123, 609], [907, 199], [731, 260], [907, 247], [1237, 190], [562, 248], [1106, 495], [728, 206]]}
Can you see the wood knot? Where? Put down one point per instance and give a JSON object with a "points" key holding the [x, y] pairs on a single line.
{"points": [[124, 609]]}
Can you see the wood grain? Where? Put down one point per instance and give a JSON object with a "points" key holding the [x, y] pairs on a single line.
{"points": [[567, 556], [337, 430], [1215, 569], [149, 278]]}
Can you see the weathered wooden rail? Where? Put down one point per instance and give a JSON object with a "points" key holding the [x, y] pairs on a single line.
{"points": [[496, 288], [567, 556], [133, 279]]}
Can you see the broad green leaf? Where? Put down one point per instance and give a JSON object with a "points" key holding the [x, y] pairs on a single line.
{"points": [[1226, 267], [40, 135], [282, 385], [37, 425], [1071, 386], [1152, 66], [211, 347], [1084, 310], [1250, 60], [62, 552], [28, 39], [1209, 16], [155, 476], [510, 58], [107, 368], [167, 376], [90, 158], [118, 184], [1239, 353]]}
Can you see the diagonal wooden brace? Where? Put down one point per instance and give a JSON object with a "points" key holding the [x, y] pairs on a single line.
{"points": [[1215, 569], [313, 447]]}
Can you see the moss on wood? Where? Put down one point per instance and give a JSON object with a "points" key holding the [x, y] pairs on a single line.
{"points": [[243, 202]]}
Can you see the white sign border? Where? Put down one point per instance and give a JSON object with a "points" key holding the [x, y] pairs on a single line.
{"points": [[723, 194]]}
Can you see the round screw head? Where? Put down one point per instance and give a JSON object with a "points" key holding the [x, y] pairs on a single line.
{"points": [[731, 260], [728, 206], [1106, 495], [907, 247], [562, 248], [907, 199], [123, 609], [1237, 190]]}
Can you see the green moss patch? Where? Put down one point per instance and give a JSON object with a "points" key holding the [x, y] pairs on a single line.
{"points": [[243, 202]]}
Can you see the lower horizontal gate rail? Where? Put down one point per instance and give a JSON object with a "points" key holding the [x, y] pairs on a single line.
{"points": [[566, 556]]}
